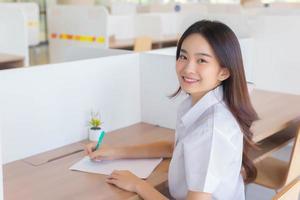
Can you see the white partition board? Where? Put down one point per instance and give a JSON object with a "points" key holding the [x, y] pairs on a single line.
{"points": [[238, 23], [123, 8], [49, 106], [31, 11], [148, 25], [80, 53], [158, 81], [1, 170], [176, 7], [76, 26], [247, 48], [121, 26], [157, 7], [194, 7], [169, 23], [13, 32], [224, 8], [169, 51], [276, 62], [154, 25]]}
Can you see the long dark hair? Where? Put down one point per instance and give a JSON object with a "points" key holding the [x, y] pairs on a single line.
{"points": [[228, 53]]}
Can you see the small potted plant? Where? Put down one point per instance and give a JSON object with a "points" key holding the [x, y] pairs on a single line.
{"points": [[94, 127]]}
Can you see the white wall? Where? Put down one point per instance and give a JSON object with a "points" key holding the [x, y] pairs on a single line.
{"points": [[13, 33], [48, 106]]}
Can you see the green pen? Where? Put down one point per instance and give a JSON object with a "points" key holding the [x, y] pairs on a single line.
{"points": [[100, 140]]}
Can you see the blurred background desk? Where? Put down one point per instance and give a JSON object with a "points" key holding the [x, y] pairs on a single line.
{"points": [[8, 61]]}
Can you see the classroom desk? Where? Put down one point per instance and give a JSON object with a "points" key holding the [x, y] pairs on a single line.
{"points": [[276, 111], [279, 115], [46, 176], [8, 61], [129, 43]]}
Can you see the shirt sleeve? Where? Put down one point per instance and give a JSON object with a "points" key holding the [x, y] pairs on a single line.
{"points": [[207, 157]]}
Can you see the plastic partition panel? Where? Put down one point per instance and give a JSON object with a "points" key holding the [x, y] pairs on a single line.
{"points": [[49, 106], [13, 32]]}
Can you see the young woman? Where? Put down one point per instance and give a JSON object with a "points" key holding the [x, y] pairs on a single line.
{"points": [[213, 124]]}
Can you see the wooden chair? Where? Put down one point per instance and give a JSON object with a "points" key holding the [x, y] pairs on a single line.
{"points": [[276, 174], [290, 192], [142, 44]]}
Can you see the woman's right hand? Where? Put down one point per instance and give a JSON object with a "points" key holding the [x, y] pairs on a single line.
{"points": [[103, 153]]}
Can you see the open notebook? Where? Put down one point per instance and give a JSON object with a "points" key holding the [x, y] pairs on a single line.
{"points": [[140, 167]]}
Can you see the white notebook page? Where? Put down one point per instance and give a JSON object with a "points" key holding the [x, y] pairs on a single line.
{"points": [[140, 167]]}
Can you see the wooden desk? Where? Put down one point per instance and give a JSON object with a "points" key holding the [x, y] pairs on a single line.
{"points": [[8, 61], [46, 176], [129, 43], [276, 111], [279, 115]]}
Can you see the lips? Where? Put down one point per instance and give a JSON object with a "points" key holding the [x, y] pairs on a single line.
{"points": [[190, 79]]}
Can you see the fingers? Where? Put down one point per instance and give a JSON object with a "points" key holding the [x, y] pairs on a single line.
{"points": [[124, 180], [115, 174], [103, 153], [95, 156], [111, 181], [89, 148], [114, 178], [98, 156]]}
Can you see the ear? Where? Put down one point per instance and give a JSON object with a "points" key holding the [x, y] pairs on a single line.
{"points": [[224, 74]]}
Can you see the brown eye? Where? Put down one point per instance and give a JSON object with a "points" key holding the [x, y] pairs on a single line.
{"points": [[182, 57], [200, 61]]}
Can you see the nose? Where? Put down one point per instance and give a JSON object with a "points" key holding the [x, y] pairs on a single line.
{"points": [[190, 66]]}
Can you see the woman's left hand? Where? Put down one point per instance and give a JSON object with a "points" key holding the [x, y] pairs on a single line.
{"points": [[125, 180]]}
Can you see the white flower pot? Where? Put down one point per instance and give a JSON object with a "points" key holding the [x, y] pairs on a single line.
{"points": [[94, 134]]}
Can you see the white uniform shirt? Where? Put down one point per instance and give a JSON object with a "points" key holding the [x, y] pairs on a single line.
{"points": [[208, 150]]}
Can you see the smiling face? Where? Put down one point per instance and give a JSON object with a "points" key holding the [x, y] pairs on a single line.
{"points": [[197, 67]]}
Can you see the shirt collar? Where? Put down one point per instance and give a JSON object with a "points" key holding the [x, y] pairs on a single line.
{"points": [[194, 112]]}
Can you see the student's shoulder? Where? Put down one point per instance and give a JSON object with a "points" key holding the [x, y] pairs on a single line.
{"points": [[224, 121]]}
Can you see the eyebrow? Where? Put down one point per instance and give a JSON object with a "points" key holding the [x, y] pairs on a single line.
{"points": [[201, 54]]}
